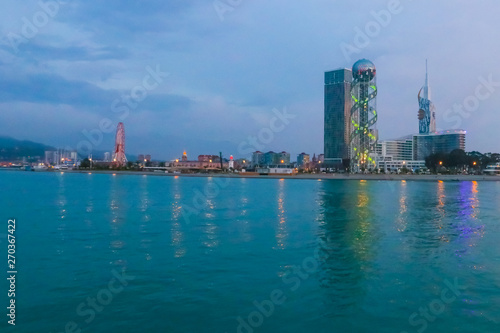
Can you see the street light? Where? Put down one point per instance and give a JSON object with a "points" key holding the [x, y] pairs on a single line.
{"points": [[440, 162]]}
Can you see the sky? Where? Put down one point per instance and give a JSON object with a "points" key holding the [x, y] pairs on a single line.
{"points": [[234, 76]]}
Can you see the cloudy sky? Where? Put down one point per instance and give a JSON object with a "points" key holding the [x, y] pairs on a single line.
{"points": [[72, 68]]}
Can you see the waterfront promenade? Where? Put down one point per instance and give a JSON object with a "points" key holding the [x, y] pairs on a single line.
{"points": [[322, 176]]}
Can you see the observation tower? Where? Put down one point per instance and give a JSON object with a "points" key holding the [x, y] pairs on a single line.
{"points": [[426, 111], [363, 137]]}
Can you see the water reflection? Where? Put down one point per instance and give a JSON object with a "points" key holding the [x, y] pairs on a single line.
{"points": [[145, 226], [402, 220], [210, 228], [441, 199], [469, 228], [177, 234], [239, 215], [281, 229], [428, 230], [346, 228], [114, 200], [61, 198], [363, 217], [116, 208], [62, 203]]}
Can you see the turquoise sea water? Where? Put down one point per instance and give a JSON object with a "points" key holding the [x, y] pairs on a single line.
{"points": [[104, 253]]}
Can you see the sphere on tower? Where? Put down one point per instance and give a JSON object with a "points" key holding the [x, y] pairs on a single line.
{"points": [[364, 70]]}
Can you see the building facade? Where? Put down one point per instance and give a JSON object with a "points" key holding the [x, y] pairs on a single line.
{"points": [[270, 158], [303, 159], [61, 156], [337, 108], [257, 158], [363, 116], [440, 142], [396, 149]]}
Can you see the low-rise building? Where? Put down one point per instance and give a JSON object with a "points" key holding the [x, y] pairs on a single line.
{"points": [[303, 160], [270, 158]]}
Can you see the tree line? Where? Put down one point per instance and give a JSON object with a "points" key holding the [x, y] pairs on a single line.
{"points": [[459, 159]]}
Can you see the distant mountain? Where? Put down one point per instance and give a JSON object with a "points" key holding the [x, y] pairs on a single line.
{"points": [[12, 149]]}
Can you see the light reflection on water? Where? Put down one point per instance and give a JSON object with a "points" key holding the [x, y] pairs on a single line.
{"points": [[281, 231], [177, 234], [402, 221], [388, 248]]}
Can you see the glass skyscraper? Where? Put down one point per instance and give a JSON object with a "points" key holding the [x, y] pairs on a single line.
{"points": [[441, 142], [338, 105]]}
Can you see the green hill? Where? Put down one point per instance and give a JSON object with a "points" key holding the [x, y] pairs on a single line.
{"points": [[12, 149]]}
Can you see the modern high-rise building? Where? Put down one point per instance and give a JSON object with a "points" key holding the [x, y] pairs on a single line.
{"points": [[428, 141], [337, 104], [426, 112], [364, 135], [441, 142]]}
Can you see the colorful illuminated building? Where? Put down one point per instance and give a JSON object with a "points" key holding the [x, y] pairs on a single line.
{"points": [[363, 136], [426, 112], [119, 158]]}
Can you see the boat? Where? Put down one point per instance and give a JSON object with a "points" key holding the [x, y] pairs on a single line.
{"points": [[492, 169], [40, 167]]}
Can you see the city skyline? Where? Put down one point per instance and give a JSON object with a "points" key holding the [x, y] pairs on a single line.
{"points": [[225, 77]]}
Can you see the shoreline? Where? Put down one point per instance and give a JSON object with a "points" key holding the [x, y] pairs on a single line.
{"points": [[328, 176]]}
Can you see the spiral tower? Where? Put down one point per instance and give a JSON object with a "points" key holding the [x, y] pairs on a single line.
{"points": [[363, 137]]}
